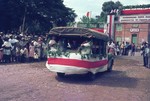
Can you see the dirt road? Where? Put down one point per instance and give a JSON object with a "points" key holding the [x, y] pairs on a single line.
{"points": [[129, 81]]}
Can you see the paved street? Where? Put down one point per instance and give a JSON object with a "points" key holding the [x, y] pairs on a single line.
{"points": [[129, 81]]}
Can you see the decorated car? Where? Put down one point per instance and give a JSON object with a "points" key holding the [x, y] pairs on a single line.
{"points": [[78, 51]]}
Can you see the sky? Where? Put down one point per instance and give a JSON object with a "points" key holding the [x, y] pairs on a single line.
{"points": [[81, 7]]}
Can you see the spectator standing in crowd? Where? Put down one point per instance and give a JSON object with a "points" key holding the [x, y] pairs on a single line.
{"points": [[132, 49], [142, 48], [127, 48], [122, 48], [26, 53], [1, 50], [31, 52], [13, 42], [149, 56], [17, 56], [7, 50], [40, 47], [145, 53], [22, 54], [117, 48], [44, 51], [37, 51]]}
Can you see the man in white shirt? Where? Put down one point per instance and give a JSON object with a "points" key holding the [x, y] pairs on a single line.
{"points": [[7, 50]]}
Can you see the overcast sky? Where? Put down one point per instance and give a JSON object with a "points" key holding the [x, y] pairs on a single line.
{"points": [[81, 7]]}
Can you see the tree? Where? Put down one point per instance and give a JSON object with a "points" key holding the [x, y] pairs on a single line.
{"points": [[84, 19], [34, 15], [89, 22], [110, 7]]}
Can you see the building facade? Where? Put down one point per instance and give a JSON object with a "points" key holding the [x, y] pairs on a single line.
{"points": [[133, 26]]}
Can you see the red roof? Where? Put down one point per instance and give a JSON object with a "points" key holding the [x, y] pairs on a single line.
{"points": [[135, 11]]}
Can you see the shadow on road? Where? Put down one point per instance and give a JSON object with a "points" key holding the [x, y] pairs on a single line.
{"points": [[112, 79], [116, 79]]}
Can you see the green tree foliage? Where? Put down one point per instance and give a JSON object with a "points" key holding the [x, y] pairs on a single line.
{"points": [[88, 22], [34, 15], [86, 19], [108, 7]]}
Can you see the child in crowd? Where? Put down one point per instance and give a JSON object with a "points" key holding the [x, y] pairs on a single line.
{"points": [[31, 52]]}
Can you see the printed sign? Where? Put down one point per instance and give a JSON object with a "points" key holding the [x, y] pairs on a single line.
{"points": [[144, 18], [134, 30]]}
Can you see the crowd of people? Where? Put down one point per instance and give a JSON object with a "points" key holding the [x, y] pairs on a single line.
{"points": [[29, 48], [128, 49], [22, 48], [124, 48]]}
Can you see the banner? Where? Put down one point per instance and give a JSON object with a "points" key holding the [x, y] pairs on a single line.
{"points": [[141, 18], [88, 14]]}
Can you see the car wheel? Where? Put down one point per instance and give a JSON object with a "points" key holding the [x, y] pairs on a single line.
{"points": [[91, 76], [61, 75]]}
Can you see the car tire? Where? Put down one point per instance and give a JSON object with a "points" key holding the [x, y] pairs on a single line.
{"points": [[91, 76], [60, 75]]}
